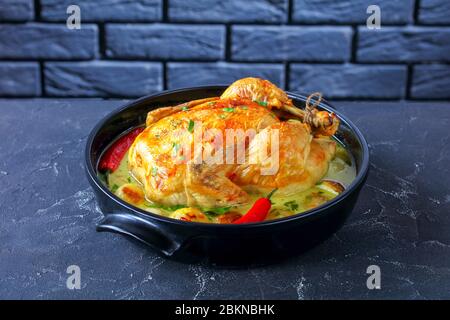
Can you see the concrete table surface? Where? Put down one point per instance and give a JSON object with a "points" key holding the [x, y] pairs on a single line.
{"points": [[401, 222]]}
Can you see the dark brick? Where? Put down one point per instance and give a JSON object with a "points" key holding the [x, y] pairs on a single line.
{"points": [[102, 78], [294, 43], [159, 41], [351, 11], [229, 11], [43, 41], [104, 10], [193, 74], [16, 10], [410, 44], [19, 79], [434, 12], [431, 82], [349, 80]]}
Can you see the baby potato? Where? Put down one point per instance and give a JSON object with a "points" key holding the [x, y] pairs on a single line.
{"points": [[316, 199], [131, 193], [189, 214], [228, 217], [331, 186]]}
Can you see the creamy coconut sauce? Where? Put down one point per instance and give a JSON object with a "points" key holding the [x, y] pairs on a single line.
{"points": [[342, 169]]}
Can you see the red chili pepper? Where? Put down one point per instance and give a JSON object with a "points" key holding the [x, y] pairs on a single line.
{"points": [[114, 155], [258, 212]]}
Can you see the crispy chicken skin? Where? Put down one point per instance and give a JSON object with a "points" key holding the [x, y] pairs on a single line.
{"points": [[257, 90], [170, 175]]}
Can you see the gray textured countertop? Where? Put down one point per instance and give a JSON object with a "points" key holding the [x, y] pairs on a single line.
{"points": [[48, 214]]}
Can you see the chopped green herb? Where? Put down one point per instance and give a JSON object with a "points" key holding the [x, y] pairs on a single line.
{"points": [[185, 108], [103, 176], [291, 205], [191, 126], [261, 103], [211, 211], [228, 109], [129, 179], [217, 211], [168, 208], [114, 188], [154, 171]]}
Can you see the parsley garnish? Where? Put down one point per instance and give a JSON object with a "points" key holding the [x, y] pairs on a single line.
{"points": [[228, 109], [168, 208], [114, 188], [291, 205], [218, 211], [261, 103], [191, 126]]}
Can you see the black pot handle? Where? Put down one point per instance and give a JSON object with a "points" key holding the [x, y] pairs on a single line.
{"points": [[141, 230]]}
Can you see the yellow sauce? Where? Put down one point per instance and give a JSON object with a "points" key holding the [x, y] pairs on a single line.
{"points": [[341, 169]]}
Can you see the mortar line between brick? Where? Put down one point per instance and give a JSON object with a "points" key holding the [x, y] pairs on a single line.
{"points": [[42, 79], [215, 23], [290, 11], [241, 23], [165, 10], [228, 43], [409, 81], [287, 67], [37, 10], [164, 76], [278, 62], [416, 8], [102, 41], [354, 44]]}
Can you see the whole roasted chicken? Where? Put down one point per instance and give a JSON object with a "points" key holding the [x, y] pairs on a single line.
{"points": [[213, 152]]}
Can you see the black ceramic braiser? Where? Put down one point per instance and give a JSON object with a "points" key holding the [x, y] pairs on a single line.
{"points": [[224, 244]]}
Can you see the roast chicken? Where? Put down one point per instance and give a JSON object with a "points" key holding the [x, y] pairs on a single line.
{"points": [[168, 157]]}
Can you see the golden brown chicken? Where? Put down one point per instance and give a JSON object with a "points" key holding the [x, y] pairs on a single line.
{"points": [[210, 153]]}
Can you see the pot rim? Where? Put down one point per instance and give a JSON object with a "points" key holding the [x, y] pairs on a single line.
{"points": [[95, 181]]}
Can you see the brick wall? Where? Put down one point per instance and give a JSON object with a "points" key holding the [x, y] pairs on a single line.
{"points": [[133, 48]]}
